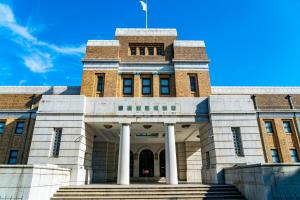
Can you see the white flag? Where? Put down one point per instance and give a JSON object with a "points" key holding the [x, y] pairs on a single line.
{"points": [[144, 5]]}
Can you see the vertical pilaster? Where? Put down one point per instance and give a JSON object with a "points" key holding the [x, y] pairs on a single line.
{"points": [[171, 159], [156, 85], [124, 156]]}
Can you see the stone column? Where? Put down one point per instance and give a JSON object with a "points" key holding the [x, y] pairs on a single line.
{"points": [[171, 160], [124, 155]]}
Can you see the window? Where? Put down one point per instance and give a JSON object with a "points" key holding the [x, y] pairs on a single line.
{"points": [[56, 142], [142, 51], [237, 141], [207, 160], [133, 51], [19, 127], [193, 83], [287, 127], [100, 85], [159, 51], [165, 86], [146, 86], [294, 156], [127, 86], [2, 127], [150, 51], [269, 126], [13, 156], [275, 157]]}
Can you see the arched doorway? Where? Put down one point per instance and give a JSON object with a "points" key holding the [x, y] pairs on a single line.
{"points": [[146, 162], [131, 164], [162, 163]]}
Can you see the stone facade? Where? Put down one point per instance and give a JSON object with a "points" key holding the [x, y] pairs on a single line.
{"points": [[190, 133]]}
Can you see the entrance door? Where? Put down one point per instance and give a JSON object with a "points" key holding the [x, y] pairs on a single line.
{"points": [[162, 163], [146, 160]]}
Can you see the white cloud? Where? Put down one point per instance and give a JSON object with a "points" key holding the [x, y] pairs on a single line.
{"points": [[21, 82], [38, 62], [36, 59]]}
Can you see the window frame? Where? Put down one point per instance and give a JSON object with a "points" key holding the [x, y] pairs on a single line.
{"points": [[17, 128], [294, 156], [237, 141], [56, 142], [102, 77], [2, 130], [13, 157], [277, 156], [133, 49], [266, 128], [152, 48], [161, 86], [127, 86], [161, 51], [193, 88], [290, 126], [140, 51], [147, 86]]}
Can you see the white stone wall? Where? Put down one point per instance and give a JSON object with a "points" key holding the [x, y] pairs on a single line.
{"points": [[268, 181], [193, 162], [227, 112], [31, 182], [66, 112]]}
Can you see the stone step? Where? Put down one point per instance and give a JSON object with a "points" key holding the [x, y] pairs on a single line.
{"points": [[160, 197], [145, 189], [146, 193]]}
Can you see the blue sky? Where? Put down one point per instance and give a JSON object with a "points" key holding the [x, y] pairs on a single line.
{"points": [[250, 42]]}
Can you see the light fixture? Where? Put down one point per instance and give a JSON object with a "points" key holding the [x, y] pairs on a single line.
{"points": [[147, 126], [108, 126], [185, 126]]}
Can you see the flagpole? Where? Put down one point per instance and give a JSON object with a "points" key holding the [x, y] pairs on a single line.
{"points": [[147, 14]]}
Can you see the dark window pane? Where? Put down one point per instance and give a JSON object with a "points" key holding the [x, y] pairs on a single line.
{"points": [[269, 127], [159, 51], [164, 86], [151, 51], [13, 155], [133, 51], [127, 86], [19, 127], [193, 83], [287, 127], [2, 127], [146, 90], [146, 86], [142, 51], [100, 86]]}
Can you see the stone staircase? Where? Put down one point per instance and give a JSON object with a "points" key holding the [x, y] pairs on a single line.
{"points": [[147, 191]]}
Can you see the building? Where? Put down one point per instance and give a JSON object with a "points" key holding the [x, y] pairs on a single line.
{"points": [[146, 110]]}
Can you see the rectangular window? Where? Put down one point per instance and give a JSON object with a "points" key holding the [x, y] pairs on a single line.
{"points": [[237, 141], [142, 51], [100, 84], [193, 83], [20, 127], [207, 160], [159, 51], [294, 156], [127, 86], [150, 51], [13, 156], [269, 126], [56, 142], [287, 127], [165, 86], [2, 127], [146, 86], [275, 157], [133, 51]]}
